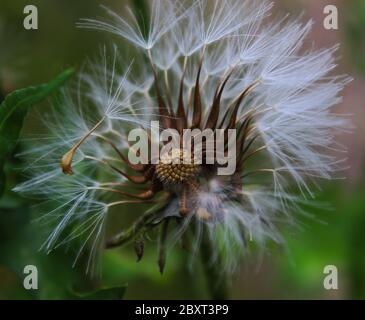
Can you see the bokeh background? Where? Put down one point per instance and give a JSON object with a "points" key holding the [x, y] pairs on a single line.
{"points": [[331, 237]]}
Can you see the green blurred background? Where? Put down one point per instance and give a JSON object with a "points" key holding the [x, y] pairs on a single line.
{"points": [[333, 237]]}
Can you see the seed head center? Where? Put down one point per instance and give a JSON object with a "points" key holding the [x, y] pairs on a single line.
{"points": [[176, 167]]}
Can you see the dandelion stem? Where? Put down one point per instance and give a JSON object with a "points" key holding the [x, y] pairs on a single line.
{"points": [[129, 234], [162, 245], [213, 269], [143, 224]]}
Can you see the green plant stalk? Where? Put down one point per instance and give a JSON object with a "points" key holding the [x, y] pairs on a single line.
{"points": [[162, 245], [130, 234], [216, 278]]}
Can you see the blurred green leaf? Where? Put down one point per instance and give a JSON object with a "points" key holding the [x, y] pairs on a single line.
{"points": [[335, 242], [2, 178], [13, 110], [355, 33], [107, 293]]}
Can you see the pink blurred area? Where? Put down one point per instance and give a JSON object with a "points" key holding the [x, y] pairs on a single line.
{"points": [[354, 94]]}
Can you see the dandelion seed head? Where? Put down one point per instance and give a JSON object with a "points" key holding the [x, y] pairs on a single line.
{"points": [[210, 65]]}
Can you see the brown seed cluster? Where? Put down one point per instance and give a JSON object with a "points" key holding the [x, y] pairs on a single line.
{"points": [[177, 167]]}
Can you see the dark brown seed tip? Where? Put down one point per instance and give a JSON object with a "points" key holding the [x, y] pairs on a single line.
{"points": [[139, 249], [161, 265]]}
